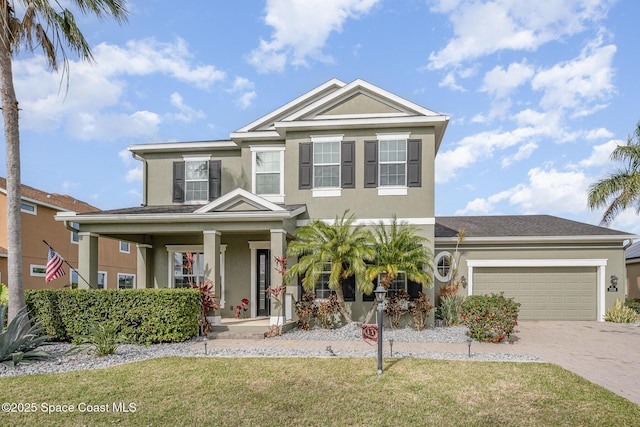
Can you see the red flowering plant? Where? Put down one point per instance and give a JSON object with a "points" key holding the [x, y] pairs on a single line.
{"points": [[241, 310], [490, 318], [207, 294], [275, 293]]}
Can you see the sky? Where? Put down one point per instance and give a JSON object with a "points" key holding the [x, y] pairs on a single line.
{"points": [[539, 92]]}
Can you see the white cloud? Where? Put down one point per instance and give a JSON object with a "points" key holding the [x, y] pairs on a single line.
{"points": [[134, 175], [600, 154], [599, 133], [450, 81], [186, 114], [301, 29], [524, 152], [548, 191], [500, 82], [84, 109], [484, 27], [243, 89], [573, 83]]}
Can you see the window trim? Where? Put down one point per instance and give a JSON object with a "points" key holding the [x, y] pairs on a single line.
{"points": [[436, 262], [128, 250], [326, 191], [187, 159], [104, 273], [126, 274], [393, 137], [32, 273], [75, 236], [30, 205], [171, 250], [255, 149]]}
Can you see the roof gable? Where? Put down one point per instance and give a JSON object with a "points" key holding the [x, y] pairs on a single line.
{"points": [[239, 200]]}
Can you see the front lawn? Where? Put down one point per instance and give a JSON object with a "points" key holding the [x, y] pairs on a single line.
{"points": [[315, 392]]}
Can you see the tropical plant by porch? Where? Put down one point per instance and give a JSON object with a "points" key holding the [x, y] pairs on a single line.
{"points": [[346, 246], [399, 247]]}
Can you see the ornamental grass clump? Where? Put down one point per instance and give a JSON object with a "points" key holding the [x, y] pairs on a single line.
{"points": [[103, 339], [490, 318], [450, 309], [620, 314]]}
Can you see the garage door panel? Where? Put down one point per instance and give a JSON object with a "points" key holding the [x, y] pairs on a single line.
{"points": [[554, 293]]}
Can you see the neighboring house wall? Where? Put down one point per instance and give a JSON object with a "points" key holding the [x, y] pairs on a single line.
{"points": [[633, 279], [39, 224]]}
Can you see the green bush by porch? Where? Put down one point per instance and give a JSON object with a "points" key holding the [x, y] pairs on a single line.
{"points": [[144, 316]]}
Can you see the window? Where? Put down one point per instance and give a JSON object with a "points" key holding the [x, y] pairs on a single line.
{"points": [[326, 164], [74, 279], [38, 270], [268, 173], [443, 266], [196, 180], [102, 280], [126, 281], [393, 163], [75, 238], [29, 208], [125, 247], [188, 267], [322, 285]]}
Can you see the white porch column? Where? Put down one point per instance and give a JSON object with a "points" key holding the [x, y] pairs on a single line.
{"points": [[212, 259], [144, 263], [87, 260], [278, 249]]}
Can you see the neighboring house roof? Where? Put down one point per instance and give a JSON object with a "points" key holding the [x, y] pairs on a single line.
{"points": [[516, 227], [633, 251], [56, 201]]}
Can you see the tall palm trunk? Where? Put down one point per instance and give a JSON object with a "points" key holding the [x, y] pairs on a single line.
{"points": [[342, 306], [12, 143]]}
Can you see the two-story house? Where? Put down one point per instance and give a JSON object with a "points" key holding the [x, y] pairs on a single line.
{"points": [[117, 261], [237, 202]]}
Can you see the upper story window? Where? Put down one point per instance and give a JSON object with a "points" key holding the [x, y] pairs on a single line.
{"points": [[326, 165], [268, 173], [125, 247], [393, 162], [196, 180], [75, 237], [29, 208]]}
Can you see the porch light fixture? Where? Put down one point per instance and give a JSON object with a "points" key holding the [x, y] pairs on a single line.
{"points": [[463, 281], [614, 280], [381, 294]]}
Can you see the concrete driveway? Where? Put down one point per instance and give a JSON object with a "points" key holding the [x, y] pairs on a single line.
{"points": [[604, 353]]}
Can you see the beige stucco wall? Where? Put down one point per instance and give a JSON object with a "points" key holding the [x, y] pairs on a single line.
{"points": [[633, 280]]}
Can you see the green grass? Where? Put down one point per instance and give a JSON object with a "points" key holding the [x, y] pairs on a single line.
{"points": [[320, 392]]}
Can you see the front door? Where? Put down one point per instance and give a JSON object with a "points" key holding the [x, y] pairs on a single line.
{"points": [[263, 276]]}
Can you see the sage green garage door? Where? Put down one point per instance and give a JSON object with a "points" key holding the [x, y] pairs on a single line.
{"points": [[554, 293]]}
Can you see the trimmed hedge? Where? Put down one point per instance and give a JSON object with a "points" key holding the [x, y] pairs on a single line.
{"points": [[144, 316]]}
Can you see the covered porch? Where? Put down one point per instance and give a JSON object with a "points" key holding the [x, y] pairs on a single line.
{"points": [[234, 239]]}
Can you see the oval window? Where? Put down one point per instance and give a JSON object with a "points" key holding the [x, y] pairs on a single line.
{"points": [[443, 266]]}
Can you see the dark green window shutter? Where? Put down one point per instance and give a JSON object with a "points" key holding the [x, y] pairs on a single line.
{"points": [[178, 182], [215, 179], [348, 164], [413, 289], [305, 166], [371, 296], [370, 164], [349, 288], [414, 163]]}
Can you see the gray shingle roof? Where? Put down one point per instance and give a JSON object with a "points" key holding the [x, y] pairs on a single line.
{"points": [[519, 226], [633, 251]]}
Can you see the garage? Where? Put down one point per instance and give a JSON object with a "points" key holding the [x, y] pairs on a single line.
{"points": [[545, 293]]}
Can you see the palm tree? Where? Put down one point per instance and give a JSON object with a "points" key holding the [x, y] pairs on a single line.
{"points": [[620, 189], [399, 248], [347, 247], [49, 27]]}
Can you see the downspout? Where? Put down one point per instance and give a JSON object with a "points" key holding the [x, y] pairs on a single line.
{"points": [[144, 177]]}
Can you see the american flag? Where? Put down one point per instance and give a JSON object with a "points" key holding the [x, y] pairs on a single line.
{"points": [[54, 266]]}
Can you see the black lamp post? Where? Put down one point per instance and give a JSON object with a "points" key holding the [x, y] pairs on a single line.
{"points": [[381, 294]]}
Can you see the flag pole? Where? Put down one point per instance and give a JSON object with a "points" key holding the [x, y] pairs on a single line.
{"points": [[70, 266]]}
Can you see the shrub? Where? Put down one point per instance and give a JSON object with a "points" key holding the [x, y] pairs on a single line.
{"points": [[620, 314], [490, 318], [450, 309], [397, 305], [20, 341], [306, 310], [327, 310], [143, 316], [633, 304], [420, 309]]}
